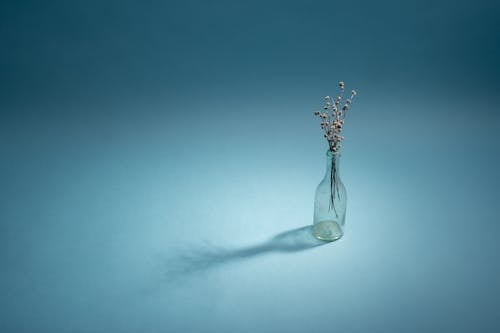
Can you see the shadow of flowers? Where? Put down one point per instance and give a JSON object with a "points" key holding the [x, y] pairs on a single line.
{"points": [[210, 256]]}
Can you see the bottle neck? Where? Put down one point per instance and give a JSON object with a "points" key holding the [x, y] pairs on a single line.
{"points": [[332, 161]]}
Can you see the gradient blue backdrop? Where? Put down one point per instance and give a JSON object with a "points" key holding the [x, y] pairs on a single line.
{"points": [[150, 151]]}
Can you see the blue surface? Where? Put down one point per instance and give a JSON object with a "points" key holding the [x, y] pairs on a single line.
{"points": [[159, 161]]}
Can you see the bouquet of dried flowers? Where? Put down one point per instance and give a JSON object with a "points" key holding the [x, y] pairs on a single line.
{"points": [[332, 118], [332, 122]]}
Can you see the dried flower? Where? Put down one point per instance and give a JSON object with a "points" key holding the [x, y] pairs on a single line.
{"points": [[333, 118]]}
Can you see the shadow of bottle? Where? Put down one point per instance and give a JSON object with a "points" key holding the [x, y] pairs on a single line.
{"points": [[210, 256]]}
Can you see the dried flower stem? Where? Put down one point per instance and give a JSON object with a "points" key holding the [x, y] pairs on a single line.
{"points": [[332, 122]]}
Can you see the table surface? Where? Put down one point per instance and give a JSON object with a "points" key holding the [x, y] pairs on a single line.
{"points": [[137, 230]]}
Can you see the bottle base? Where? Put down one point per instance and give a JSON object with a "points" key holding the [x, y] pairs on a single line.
{"points": [[327, 231]]}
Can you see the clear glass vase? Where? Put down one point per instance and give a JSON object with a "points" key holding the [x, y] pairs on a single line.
{"points": [[330, 202]]}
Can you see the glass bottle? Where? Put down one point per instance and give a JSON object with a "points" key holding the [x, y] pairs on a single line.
{"points": [[330, 202]]}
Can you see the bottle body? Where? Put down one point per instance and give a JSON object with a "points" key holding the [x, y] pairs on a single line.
{"points": [[330, 202]]}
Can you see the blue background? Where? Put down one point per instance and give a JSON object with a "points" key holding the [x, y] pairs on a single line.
{"points": [[159, 161]]}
